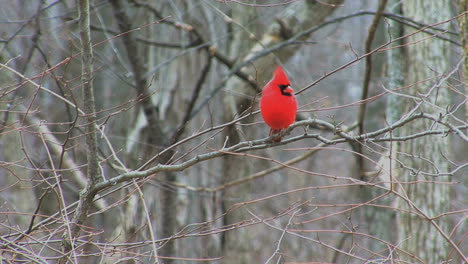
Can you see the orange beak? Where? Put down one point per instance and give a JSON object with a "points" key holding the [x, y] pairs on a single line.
{"points": [[289, 90]]}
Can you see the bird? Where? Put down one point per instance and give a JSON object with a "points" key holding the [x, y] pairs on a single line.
{"points": [[278, 104]]}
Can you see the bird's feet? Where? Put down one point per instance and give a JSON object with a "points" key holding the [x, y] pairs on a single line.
{"points": [[276, 135]]}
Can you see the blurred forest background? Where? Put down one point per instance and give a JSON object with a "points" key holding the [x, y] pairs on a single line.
{"points": [[130, 132]]}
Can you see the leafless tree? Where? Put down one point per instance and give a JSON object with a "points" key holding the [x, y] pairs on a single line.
{"points": [[130, 132]]}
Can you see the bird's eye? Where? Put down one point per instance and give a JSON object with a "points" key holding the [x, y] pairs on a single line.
{"points": [[283, 86]]}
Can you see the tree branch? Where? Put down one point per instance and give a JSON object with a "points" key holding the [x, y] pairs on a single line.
{"points": [[265, 143], [367, 77], [93, 170]]}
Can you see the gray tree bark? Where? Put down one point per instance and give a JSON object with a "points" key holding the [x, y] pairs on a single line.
{"points": [[463, 27], [93, 172], [383, 221], [427, 157]]}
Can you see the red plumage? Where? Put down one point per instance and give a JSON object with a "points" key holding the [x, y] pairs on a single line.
{"points": [[278, 104]]}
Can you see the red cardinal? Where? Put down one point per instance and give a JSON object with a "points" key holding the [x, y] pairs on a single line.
{"points": [[278, 103]]}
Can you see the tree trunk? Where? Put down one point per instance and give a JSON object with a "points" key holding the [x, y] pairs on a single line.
{"points": [[463, 26], [383, 219], [424, 157]]}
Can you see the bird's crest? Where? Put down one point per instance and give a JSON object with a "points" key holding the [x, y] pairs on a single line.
{"points": [[280, 76]]}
